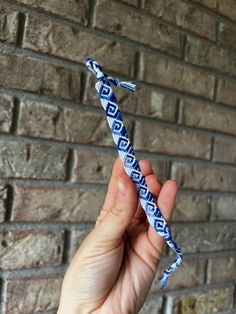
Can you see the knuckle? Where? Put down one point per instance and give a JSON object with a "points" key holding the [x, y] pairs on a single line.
{"points": [[116, 210]]}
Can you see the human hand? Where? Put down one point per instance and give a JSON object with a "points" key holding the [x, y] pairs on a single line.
{"points": [[113, 269]]}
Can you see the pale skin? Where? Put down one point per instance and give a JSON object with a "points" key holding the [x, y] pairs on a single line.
{"points": [[114, 267]]}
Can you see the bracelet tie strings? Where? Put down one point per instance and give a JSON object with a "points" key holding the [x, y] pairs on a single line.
{"points": [[131, 165]]}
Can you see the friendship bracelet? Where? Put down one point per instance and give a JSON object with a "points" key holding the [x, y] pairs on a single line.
{"points": [[131, 165]]}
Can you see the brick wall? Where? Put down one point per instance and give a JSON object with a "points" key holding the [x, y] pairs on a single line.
{"points": [[57, 152]]}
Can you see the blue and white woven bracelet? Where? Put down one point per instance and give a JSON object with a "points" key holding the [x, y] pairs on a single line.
{"points": [[126, 153]]}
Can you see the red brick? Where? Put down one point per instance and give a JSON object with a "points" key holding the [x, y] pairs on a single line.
{"points": [[6, 111], [56, 204], [18, 160], [183, 15], [204, 177], [227, 36], [145, 102], [36, 76], [189, 275], [191, 207], [207, 237], [3, 198], [221, 269], [226, 92], [8, 24], [210, 56], [93, 167], [225, 8], [224, 208], [65, 41], [27, 249], [209, 117], [156, 138], [224, 150], [32, 295], [125, 22], [204, 301], [166, 73], [71, 9], [47, 121]]}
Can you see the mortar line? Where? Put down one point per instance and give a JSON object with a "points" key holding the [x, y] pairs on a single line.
{"points": [[92, 4], [66, 247], [66, 21], [93, 109], [9, 202], [70, 165], [15, 116], [99, 186], [74, 104], [135, 46], [214, 14], [206, 272], [113, 151], [75, 225], [141, 11], [21, 29]]}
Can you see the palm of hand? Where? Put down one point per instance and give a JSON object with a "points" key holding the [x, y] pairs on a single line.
{"points": [[114, 274]]}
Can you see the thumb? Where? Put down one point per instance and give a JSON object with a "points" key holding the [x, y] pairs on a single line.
{"points": [[122, 211]]}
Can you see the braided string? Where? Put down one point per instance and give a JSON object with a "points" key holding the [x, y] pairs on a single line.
{"points": [[131, 165]]}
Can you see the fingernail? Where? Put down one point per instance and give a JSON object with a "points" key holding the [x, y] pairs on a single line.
{"points": [[121, 187]]}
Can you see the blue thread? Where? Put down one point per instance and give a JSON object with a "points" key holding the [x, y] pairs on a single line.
{"points": [[126, 153]]}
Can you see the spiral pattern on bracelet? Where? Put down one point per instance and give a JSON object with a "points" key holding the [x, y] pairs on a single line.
{"points": [[131, 165]]}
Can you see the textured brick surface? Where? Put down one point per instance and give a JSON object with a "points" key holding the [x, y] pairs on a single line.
{"points": [[3, 199], [183, 15], [160, 71], [39, 77], [52, 204], [72, 9], [144, 102], [211, 56], [97, 167], [6, 112], [171, 141], [47, 121], [207, 117], [226, 92], [204, 302], [205, 238], [224, 150], [57, 153], [153, 305], [77, 236], [203, 177], [32, 295], [221, 269], [191, 208], [134, 2], [190, 274], [126, 23], [8, 24], [25, 249], [160, 167], [227, 36], [67, 42], [224, 208], [32, 161], [225, 8], [93, 167]]}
